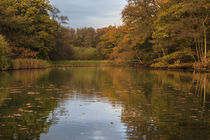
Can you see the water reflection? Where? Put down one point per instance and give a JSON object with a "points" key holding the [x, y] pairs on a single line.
{"points": [[104, 103]]}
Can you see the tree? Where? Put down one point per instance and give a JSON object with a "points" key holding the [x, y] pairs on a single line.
{"points": [[85, 37], [28, 24], [183, 25], [63, 47], [139, 16], [108, 40]]}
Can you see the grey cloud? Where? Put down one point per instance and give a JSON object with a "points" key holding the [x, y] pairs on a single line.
{"points": [[95, 13]]}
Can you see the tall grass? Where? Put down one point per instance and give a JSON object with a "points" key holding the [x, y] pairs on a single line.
{"points": [[29, 64], [4, 54]]}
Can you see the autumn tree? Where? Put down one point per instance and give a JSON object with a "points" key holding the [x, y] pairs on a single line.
{"points": [[183, 25], [109, 39], [27, 24], [139, 16]]}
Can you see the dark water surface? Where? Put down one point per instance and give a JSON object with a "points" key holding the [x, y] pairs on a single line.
{"points": [[104, 104]]}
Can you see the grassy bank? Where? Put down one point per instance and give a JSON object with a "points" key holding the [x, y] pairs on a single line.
{"points": [[173, 66], [84, 63], [184, 66], [181, 60], [18, 64], [29, 64]]}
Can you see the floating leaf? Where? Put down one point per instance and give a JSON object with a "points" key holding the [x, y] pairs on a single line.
{"points": [[33, 93]]}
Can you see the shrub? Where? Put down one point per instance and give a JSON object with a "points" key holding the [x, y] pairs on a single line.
{"points": [[177, 57], [82, 53], [4, 54]]}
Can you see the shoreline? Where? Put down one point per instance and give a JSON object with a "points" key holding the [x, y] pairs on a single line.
{"points": [[189, 69], [32, 64], [106, 66]]}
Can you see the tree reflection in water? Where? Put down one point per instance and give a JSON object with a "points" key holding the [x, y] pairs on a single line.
{"points": [[155, 104]]}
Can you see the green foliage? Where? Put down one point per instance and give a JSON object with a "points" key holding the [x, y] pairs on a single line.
{"points": [[181, 56], [182, 23], [153, 31], [85, 37], [159, 31], [63, 47], [4, 54], [80, 53], [174, 59], [27, 24]]}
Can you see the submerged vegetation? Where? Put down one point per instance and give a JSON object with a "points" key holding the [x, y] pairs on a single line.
{"points": [[156, 33]]}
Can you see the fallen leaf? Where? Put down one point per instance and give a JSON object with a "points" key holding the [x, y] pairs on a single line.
{"points": [[33, 93]]}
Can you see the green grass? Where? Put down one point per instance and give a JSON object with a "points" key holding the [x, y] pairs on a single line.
{"points": [[84, 63]]}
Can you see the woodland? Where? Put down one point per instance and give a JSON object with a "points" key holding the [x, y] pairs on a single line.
{"points": [[154, 33]]}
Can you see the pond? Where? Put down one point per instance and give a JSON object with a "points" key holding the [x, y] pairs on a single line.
{"points": [[104, 104]]}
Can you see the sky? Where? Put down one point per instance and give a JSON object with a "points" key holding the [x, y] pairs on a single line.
{"points": [[91, 13]]}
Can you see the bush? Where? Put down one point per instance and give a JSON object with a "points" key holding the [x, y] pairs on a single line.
{"points": [[177, 57], [159, 65], [4, 54], [82, 53]]}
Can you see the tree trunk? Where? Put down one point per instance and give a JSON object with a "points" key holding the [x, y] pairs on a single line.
{"points": [[197, 51], [163, 51], [205, 45], [205, 38]]}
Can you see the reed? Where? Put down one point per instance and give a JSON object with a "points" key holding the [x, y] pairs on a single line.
{"points": [[29, 64]]}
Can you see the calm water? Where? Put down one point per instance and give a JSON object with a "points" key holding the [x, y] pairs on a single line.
{"points": [[104, 104]]}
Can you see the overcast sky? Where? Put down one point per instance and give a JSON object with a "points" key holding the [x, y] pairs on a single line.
{"points": [[91, 13]]}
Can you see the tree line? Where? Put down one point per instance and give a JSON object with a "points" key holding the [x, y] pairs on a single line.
{"points": [[161, 33], [154, 32]]}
